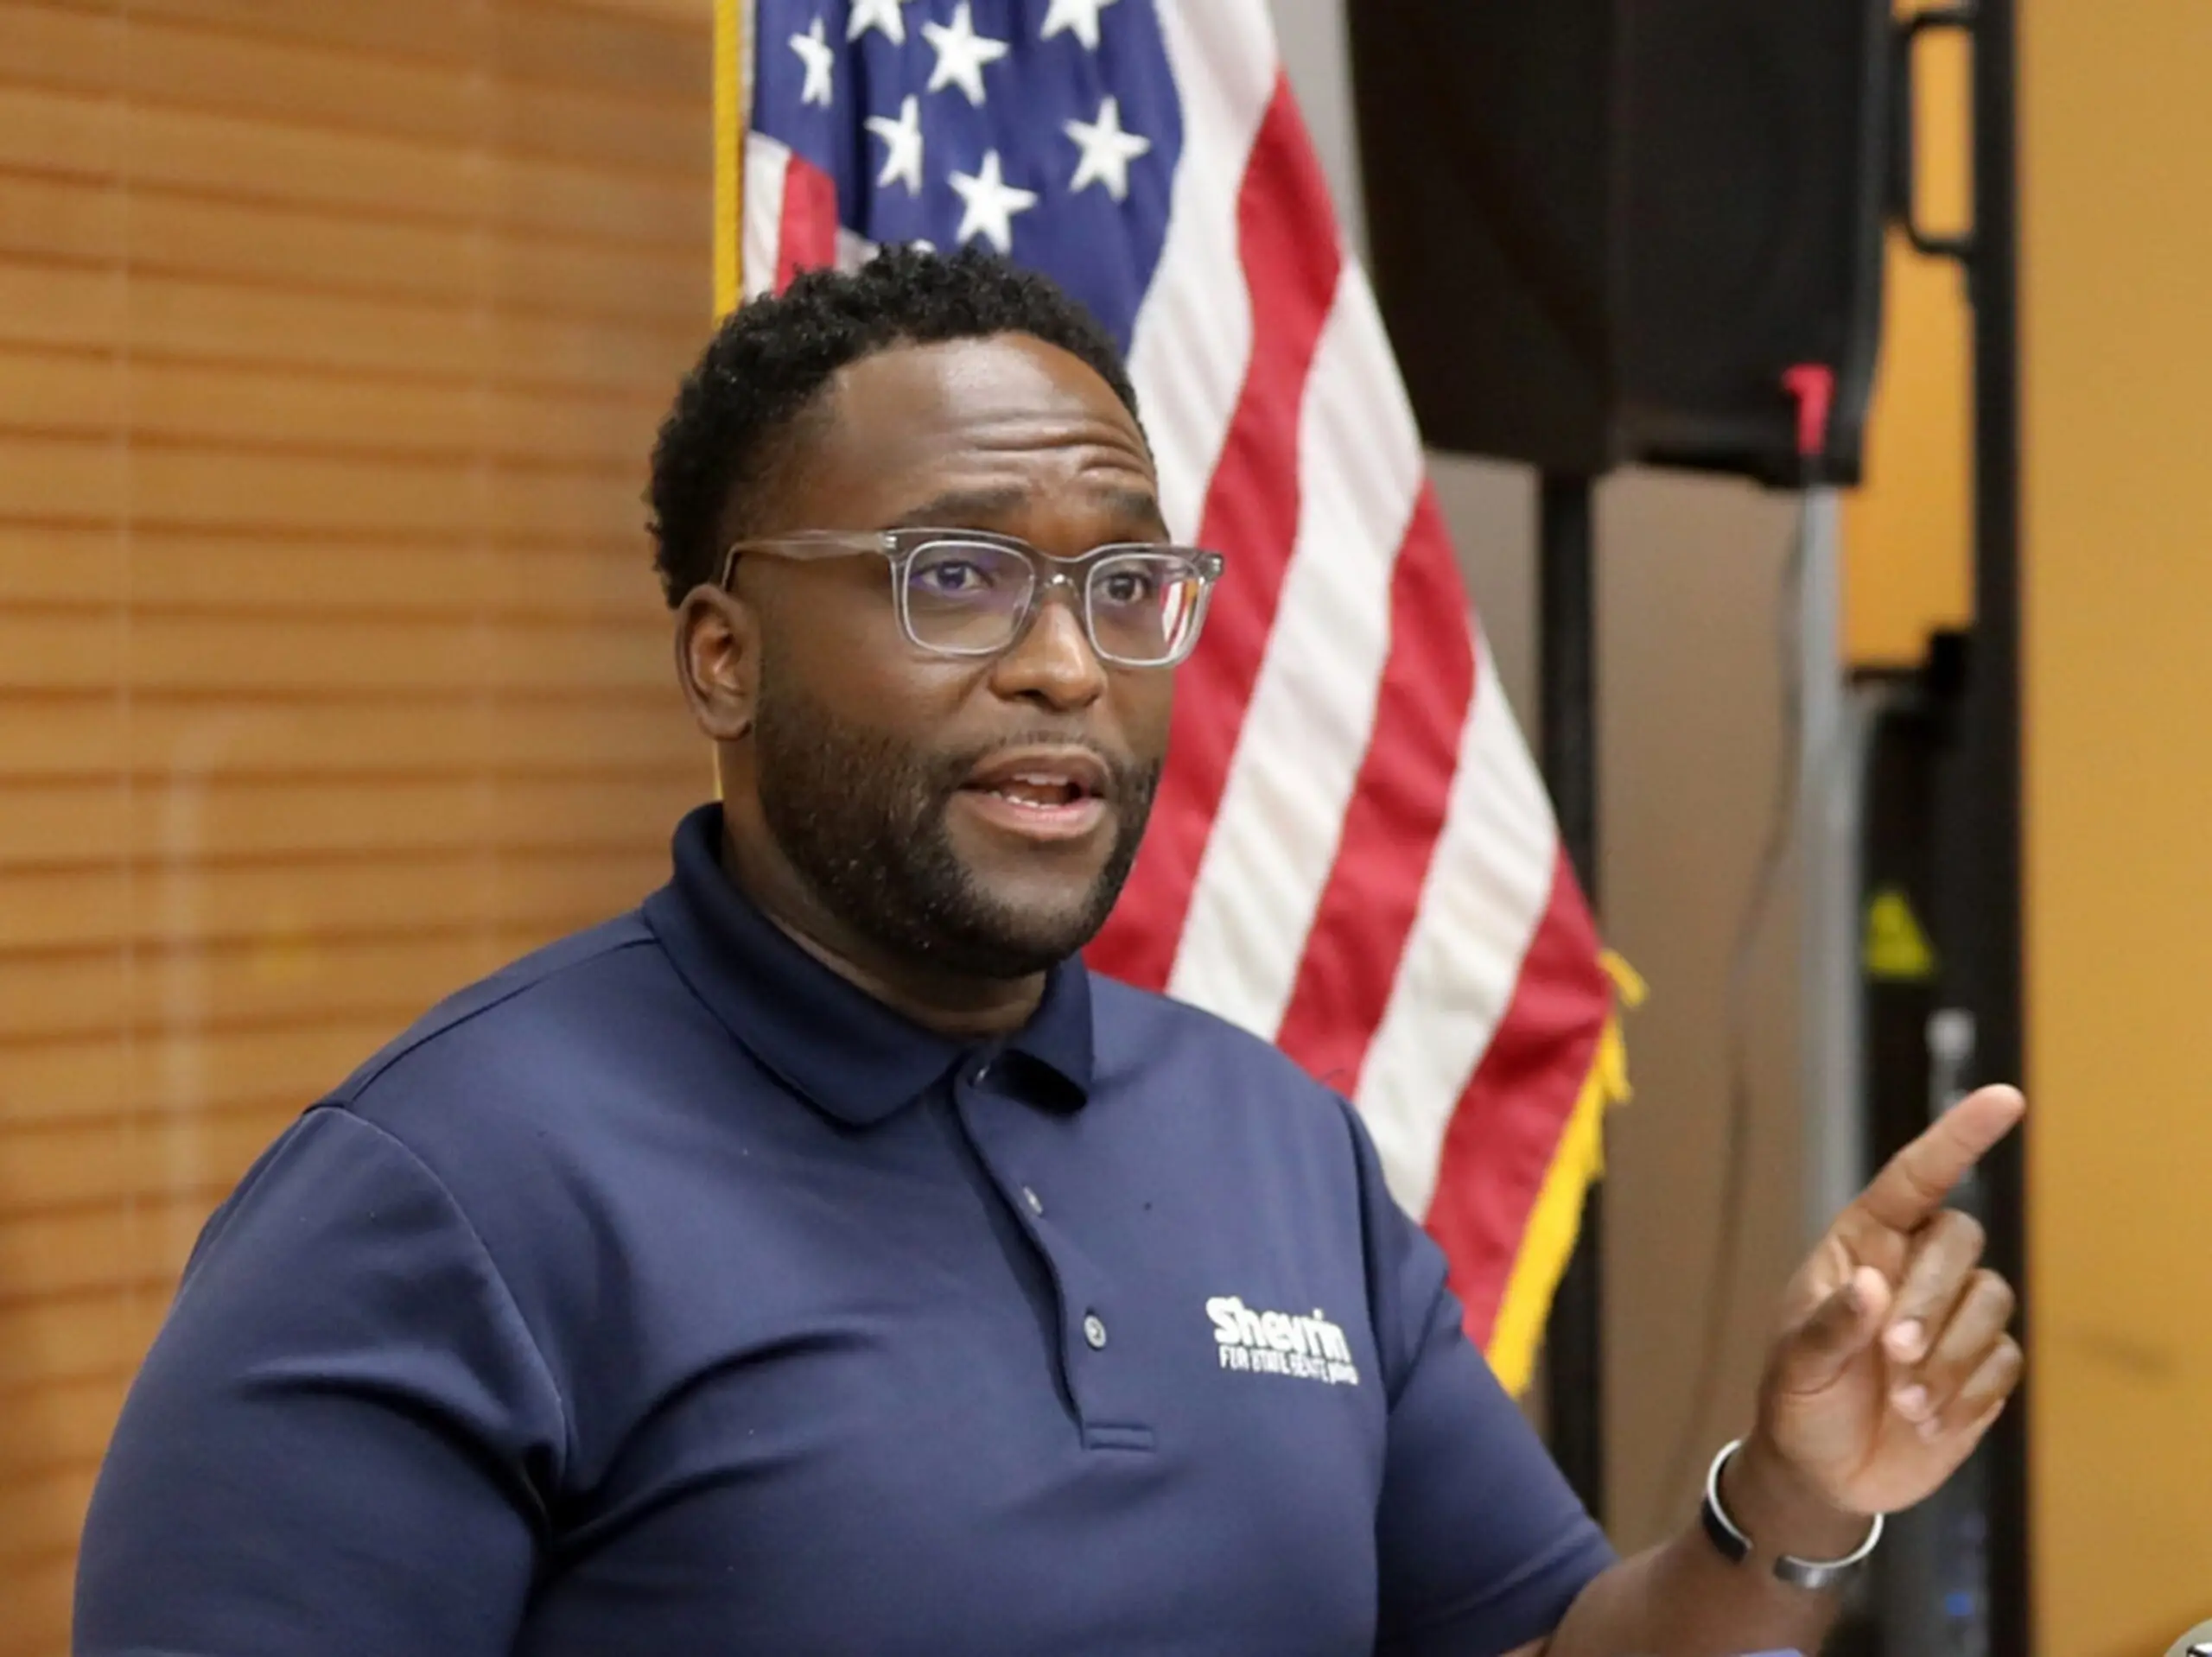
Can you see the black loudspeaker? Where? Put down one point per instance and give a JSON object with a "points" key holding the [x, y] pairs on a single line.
{"points": [[1606, 230]]}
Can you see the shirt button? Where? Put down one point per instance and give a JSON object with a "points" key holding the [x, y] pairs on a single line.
{"points": [[1094, 1330], [1036, 1206], [982, 1074]]}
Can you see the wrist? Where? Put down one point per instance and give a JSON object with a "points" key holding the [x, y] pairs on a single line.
{"points": [[1784, 1511]]}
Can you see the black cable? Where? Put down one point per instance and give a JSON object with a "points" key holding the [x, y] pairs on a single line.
{"points": [[1684, 1464]]}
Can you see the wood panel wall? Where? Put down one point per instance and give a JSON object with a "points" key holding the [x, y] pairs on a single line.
{"points": [[332, 334]]}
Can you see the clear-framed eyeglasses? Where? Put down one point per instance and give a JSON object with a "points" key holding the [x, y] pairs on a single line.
{"points": [[970, 593]]}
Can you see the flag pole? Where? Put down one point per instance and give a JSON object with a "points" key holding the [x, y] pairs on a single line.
{"points": [[732, 87], [1566, 632], [733, 81]]}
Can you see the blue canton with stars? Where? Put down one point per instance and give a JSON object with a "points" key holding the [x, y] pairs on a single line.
{"points": [[1048, 130]]}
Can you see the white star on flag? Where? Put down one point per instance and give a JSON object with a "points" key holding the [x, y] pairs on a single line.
{"points": [[902, 146], [878, 14], [817, 55], [1107, 150], [1081, 16], [961, 54], [991, 203]]}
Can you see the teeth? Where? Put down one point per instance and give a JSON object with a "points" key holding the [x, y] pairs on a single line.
{"points": [[1038, 789]]}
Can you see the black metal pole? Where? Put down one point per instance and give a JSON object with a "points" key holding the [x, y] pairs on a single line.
{"points": [[1991, 958], [1567, 633]]}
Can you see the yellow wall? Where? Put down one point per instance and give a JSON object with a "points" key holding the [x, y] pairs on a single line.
{"points": [[2117, 172], [1907, 564], [2116, 273]]}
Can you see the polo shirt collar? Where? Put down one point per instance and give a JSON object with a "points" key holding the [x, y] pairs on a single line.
{"points": [[847, 1053]]}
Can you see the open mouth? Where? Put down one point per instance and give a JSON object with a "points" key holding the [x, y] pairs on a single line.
{"points": [[1040, 791], [1055, 796]]}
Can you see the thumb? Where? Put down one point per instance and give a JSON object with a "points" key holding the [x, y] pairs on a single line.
{"points": [[1820, 1348]]}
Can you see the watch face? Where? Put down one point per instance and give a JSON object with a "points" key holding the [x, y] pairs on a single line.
{"points": [[2198, 1642]]}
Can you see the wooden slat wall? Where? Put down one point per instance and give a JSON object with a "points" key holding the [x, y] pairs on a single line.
{"points": [[332, 670]]}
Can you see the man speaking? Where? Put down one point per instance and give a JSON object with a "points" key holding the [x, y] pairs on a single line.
{"points": [[819, 1260]]}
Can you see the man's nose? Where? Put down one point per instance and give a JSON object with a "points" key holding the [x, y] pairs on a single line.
{"points": [[1052, 661]]}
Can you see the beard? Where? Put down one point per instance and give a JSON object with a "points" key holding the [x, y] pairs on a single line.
{"points": [[862, 816]]}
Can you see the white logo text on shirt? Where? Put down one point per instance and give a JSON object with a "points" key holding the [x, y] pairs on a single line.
{"points": [[1305, 1347]]}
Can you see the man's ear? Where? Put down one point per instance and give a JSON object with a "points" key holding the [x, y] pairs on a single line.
{"points": [[718, 660]]}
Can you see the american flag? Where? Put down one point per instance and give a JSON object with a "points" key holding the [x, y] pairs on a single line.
{"points": [[1352, 853]]}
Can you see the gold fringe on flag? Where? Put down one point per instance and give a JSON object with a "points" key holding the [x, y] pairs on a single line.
{"points": [[1579, 1159]]}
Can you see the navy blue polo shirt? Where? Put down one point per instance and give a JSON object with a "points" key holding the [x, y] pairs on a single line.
{"points": [[666, 1294]]}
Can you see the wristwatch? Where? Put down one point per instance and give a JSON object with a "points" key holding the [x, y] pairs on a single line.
{"points": [[1736, 1547]]}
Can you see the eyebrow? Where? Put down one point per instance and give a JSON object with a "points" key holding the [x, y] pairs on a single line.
{"points": [[979, 508]]}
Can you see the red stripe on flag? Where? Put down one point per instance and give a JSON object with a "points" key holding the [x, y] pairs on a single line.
{"points": [[807, 238], [1396, 813], [1287, 243], [1507, 1124]]}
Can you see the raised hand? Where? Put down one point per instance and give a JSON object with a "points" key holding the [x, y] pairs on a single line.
{"points": [[1893, 1359]]}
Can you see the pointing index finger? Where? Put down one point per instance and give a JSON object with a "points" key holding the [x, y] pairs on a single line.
{"points": [[1914, 1182]]}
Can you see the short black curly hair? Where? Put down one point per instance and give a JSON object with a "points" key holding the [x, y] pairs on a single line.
{"points": [[739, 409]]}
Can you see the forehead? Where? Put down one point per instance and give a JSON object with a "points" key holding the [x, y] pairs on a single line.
{"points": [[1007, 413]]}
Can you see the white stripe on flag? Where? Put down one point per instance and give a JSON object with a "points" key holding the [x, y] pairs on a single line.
{"points": [[1486, 892], [1193, 334], [853, 250], [1312, 715], [767, 161]]}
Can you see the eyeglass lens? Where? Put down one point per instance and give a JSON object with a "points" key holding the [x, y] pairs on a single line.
{"points": [[971, 597]]}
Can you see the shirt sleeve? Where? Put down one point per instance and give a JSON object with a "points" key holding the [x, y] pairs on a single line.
{"points": [[343, 1438], [1482, 1546]]}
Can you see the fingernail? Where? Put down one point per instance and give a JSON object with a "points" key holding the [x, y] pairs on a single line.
{"points": [[1912, 1402], [1904, 1340], [1929, 1428]]}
